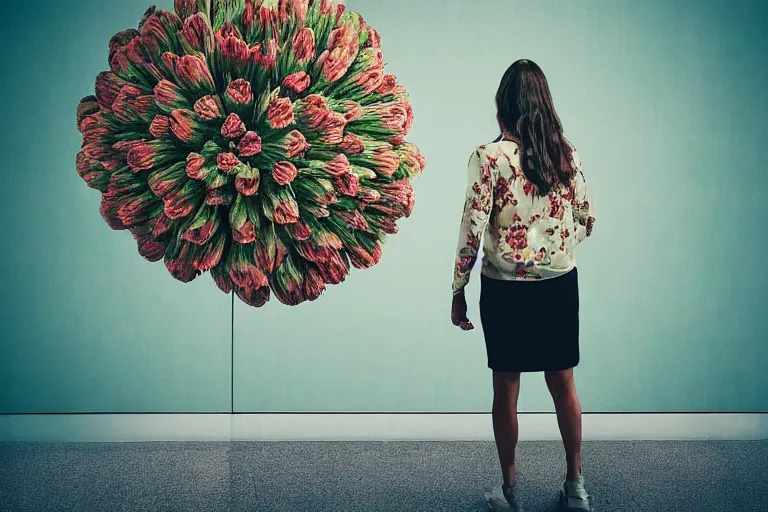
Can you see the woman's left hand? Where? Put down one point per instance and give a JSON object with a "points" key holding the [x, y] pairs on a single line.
{"points": [[459, 312]]}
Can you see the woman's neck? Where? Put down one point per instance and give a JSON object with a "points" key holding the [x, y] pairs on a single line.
{"points": [[505, 135]]}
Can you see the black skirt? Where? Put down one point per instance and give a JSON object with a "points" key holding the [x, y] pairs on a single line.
{"points": [[531, 326]]}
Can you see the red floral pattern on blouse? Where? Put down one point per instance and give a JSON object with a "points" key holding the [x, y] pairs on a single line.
{"points": [[523, 235]]}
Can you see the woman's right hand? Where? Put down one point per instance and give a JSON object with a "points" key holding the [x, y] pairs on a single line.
{"points": [[459, 312]]}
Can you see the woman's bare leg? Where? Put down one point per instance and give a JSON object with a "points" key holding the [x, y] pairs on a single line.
{"points": [[506, 389], [563, 390]]}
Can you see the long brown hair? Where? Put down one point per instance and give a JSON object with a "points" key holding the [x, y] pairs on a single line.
{"points": [[525, 109]]}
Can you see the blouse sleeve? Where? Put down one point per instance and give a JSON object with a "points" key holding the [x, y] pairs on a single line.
{"points": [[583, 208], [477, 211]]}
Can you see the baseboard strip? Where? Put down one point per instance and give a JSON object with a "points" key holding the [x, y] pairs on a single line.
{"points": [[368, 427]]}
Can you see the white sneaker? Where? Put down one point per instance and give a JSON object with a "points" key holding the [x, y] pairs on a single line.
{"points": [[500, 501], [573, 495]]}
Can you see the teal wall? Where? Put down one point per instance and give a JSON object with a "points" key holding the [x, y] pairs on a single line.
{"points": [[665, 100]]}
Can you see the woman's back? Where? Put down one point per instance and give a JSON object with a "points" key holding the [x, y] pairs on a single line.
{"points": [[525, 235], [527, 204]]}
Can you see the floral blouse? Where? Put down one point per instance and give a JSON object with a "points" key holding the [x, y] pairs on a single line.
{"points": [[527, 236]]}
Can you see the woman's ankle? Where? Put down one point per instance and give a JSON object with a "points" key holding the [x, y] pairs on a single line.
{"points": [[509, 483], [510, 479], [573, 475], [573, 468]]}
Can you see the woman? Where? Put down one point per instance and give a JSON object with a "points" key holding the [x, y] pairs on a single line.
{"points": [[528, 200]]}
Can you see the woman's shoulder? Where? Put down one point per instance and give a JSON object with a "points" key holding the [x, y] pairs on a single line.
{"points": [[572, 147], [497, 148]]}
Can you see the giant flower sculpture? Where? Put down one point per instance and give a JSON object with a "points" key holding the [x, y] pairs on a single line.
{"points": [[261, 141]]}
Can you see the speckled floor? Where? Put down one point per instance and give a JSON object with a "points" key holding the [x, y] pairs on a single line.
{"points": [[708, 476]]}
